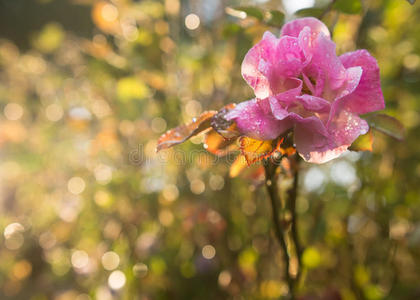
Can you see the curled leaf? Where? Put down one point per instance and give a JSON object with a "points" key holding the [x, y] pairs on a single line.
{"points": [[363, 142], [218, 145], [182, 133], [386, 124], [225, 128], [256, 150]]}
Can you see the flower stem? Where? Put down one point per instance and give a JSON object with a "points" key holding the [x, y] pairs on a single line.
{"points": [[271, 184], [279, 229], [292, 196]]}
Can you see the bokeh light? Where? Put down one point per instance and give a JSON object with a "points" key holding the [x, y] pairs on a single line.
{"points": [[13, 111], [192, 21], [208, 252], [116, 280], [110, 260], [76, 185]]}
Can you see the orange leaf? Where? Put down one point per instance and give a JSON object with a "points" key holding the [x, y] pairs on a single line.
{"points": [[182, 133], [363, 142], [218, 145], [289, 151], [256, 150]]}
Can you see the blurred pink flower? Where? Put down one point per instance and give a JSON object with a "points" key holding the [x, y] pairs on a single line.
{"points": [[301, 84]]}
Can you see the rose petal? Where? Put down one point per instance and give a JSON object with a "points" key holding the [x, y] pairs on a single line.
{"points": [[313, 142], [259, 54], [345, 127], [353, 76], [270, 62], [319, 146], [368, 96], [293, 28], [324, 59], [313, 103], [318, 76], [281, 101], [254, 119], [321, 156], [288, 62]]}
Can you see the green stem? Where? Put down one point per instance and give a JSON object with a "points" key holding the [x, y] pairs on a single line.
{"points": [[292, 196], [271, 184]]}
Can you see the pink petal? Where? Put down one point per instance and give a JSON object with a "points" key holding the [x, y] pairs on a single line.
{"points": [[293, 28], [254, 119], [267, 65], [318, 144], [325, 61], [259, 55], [307, 31], [368, 96], [306, 42], [314, 104], [346, 126], [283, 100], [318, 75], [314, 144], [324, 155], [353, 76], [309, 84]]}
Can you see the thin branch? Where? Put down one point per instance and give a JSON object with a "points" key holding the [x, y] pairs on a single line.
{"points": [[292, 196], [271, 184]]}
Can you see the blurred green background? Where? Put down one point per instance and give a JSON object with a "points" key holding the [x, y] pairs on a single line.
{"points": [[88, 210]]}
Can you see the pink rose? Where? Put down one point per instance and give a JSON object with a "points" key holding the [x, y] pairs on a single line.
{"points": [[300, 84]]}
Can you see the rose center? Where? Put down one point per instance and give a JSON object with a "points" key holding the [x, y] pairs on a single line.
{"points": [[306, 89]]}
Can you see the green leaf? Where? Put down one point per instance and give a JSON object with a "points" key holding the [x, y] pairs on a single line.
{"points": [[251, 11], [387, 125], [348, 6], [276, 18], [310, 12]]}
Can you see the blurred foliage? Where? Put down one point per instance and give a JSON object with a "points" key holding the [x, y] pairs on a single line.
{"points": [[88, 210]]}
